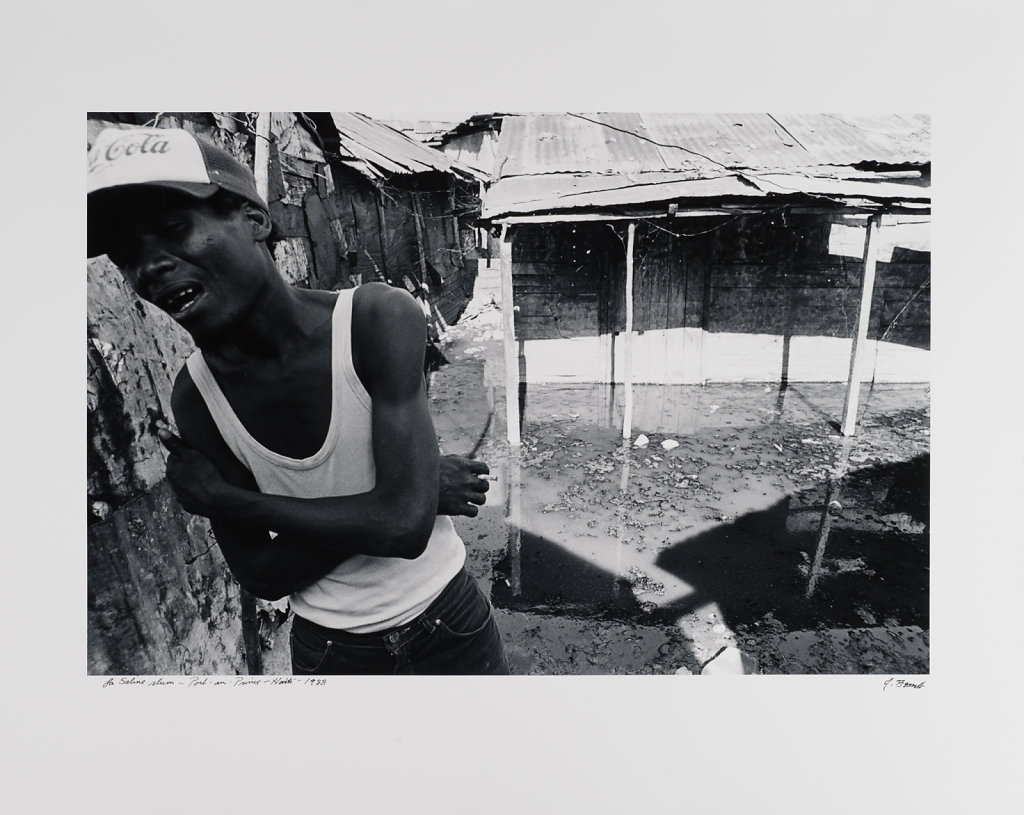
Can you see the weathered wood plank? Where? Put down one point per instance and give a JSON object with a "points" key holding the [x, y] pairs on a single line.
{"points": [[326, 273]]}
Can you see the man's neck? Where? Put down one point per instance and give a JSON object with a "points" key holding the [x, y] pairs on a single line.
{"points": [[280, 321]]}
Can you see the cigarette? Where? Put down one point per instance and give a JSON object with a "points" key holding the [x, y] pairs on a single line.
{"points": [[489, 477]]}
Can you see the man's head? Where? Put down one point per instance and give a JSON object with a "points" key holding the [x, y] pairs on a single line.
{"points": [[184, 223], [170, 159]]}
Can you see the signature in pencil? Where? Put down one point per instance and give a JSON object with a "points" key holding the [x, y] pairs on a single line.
{"points": [[901, 683]]}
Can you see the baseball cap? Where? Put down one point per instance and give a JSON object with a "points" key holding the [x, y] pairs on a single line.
{"points": [[168, 158]]}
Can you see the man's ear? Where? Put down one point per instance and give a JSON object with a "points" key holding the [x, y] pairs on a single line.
{"points": [[259, 221]]}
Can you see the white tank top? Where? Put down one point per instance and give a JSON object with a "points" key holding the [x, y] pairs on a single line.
{"points": [[364, 593]]}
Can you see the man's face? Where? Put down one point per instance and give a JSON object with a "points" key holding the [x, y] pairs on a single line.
{"points": [[200, 263]]}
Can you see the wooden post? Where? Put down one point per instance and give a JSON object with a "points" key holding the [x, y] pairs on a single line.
{"points": [[867, 288], [627, 349], [508, 322], [261, 169]]}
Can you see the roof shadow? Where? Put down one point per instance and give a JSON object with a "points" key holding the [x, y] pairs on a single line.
{"points": [[875, 567]]}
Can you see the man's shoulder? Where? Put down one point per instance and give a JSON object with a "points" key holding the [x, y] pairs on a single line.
{"points": [[389, 332], [381, 295], [379, 307]]}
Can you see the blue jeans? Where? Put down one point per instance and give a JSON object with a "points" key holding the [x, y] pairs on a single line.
{"points": [[457, 634]]}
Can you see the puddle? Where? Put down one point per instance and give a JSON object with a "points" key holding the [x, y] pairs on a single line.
{"points": [[688, 533], [716, 530]]}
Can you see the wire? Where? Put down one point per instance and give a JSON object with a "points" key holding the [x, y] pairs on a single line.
{"points": [[906, 305], [694, 234], [649, 139], [740, 171]]}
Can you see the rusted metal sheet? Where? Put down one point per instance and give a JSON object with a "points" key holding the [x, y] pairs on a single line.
{"points": [[565, 143], [380, 149], [644, 142], [728, 139], [533, 144], [785, 183], [559, 161], [565, 161], [553, 192], [887, 138]]}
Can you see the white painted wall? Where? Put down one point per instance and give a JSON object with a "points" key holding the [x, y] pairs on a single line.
{"points": [[688, 356]]}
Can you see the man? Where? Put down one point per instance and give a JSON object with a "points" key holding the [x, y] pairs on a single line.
{"points": [[305, 433]]}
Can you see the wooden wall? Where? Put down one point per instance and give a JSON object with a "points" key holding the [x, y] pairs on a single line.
{"points": [[420, 231], [775, 275], [759, 276]]}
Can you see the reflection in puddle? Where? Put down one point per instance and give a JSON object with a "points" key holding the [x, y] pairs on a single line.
{"points": [[514, 518], [688, 409], [831, 506], [600, 528]]}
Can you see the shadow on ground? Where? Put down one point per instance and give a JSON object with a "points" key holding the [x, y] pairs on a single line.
{"points": [[874, 569]]}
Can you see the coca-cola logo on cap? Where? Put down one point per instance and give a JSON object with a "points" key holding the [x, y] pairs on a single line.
{"points": [[129, 145]]}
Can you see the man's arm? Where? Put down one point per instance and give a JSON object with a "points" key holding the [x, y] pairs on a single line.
{"points": [[268, 568], [396, 517]]}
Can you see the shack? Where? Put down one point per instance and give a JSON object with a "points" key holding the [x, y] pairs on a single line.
{"points": [[412, 209], [696, 248]]}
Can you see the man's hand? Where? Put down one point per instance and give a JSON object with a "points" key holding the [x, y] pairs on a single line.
{"points": [[197, 483], [462, 489]]}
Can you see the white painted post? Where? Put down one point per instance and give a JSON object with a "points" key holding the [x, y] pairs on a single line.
{"points": [[261, 170], [867, 288], [508, 321], [627, 348]]}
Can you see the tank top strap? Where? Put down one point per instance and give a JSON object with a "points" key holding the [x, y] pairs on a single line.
{"points": [[221, 412], [345, 385], [344, 368]]}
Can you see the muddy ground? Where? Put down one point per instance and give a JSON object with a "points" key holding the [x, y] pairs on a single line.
{"points": [[746, 535], [741, 534]]}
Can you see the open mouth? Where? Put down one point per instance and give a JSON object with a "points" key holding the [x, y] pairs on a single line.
{"points": [[179, 300]]}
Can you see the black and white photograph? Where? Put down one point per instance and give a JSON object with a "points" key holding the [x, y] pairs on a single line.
{"points": [[675, 367], [540, 407]]}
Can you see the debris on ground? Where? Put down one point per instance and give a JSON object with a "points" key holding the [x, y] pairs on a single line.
{"points": [[690, 549]]}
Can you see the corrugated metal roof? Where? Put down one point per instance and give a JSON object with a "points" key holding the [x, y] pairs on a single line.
{"points": [[571, 143], [559, 191], [887, 138], [782, 183], [652, 142], [645, 149], [385, 151]]}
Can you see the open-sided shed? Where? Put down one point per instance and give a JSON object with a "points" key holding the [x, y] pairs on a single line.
{"points": [[687, 248]]}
